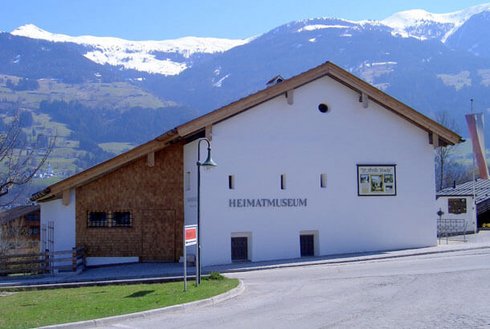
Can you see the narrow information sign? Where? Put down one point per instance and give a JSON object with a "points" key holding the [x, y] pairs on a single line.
{"points": [[190, 235], [190, 239]]}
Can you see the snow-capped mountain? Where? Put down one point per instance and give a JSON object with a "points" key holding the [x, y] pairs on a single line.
{"points": [[172, 57], [166, 57], [424, 25]]}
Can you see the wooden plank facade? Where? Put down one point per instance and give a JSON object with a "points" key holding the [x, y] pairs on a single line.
{"points": [[154, 197]]}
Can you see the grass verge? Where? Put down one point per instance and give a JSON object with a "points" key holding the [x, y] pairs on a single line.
{"points": [[30, 309]]}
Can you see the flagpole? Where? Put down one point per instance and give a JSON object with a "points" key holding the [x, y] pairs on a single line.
{"points": [[474, 178]]}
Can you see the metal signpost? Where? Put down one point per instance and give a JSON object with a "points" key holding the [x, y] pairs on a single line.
{"points": [[190, 239]]}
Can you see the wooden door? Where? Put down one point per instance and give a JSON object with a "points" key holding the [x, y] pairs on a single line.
{"points": [[307, 245], [239, 249]]}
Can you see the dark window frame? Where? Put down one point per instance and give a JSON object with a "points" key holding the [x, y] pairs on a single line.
{"points": [[94, 218], [110, 219], [121, 218], [33, 217], [457, 206]]}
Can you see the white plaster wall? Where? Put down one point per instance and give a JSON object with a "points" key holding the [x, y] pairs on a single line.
{"points": [[64, 222], [469, 216], [275, 138]]}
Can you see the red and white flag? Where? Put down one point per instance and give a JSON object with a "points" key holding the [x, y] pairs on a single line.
{"points": [[477, 133]]}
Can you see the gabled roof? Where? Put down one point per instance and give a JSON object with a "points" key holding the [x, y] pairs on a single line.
{"points": [[14, 213], [438, 133], [481, 188]]}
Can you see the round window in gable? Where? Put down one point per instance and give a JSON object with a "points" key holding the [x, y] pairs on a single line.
{"points": [[323, 108]]}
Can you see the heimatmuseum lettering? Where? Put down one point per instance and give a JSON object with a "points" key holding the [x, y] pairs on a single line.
{"points": [[254, 203]]}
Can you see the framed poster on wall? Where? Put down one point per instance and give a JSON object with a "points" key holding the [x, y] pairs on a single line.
{"points": [[376, 180]]}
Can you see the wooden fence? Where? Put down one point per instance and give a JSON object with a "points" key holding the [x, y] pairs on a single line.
{"points": [[43, 263]]}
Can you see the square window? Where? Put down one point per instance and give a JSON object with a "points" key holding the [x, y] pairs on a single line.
{"points": [[33, 216], [456, 205], [121, 218], [97, 219]]}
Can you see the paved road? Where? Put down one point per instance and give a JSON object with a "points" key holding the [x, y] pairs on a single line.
{"points": [[450, 290]]}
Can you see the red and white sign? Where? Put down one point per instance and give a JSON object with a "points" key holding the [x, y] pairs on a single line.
{"points": [[477, 133], [190, 235]]}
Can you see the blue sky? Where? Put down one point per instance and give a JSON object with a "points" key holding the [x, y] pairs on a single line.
{"points": [[164, 19]]}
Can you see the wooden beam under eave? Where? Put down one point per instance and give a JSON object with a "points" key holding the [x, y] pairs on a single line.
{"points": [[364, 99], [290, 96], [434, 139], [66, 198], [150, 159], [208, 132]]}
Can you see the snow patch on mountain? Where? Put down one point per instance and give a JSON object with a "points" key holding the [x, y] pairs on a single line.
{"points": [[219, 83], [457, 81], [146, 56], [424, 25], [321, 27]]}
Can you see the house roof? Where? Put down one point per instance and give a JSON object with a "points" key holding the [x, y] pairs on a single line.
{"points": [[480, 187], [14, 213], [274, 80], [437, 133]]}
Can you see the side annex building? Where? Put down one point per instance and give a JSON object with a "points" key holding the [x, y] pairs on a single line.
{"points": [[321, 163]]}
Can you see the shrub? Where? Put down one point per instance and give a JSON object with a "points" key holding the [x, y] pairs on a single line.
{"points": [[215, 276]]}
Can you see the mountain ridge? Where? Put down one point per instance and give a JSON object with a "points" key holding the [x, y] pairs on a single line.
{"points": [[138, 55], [144, 55]]}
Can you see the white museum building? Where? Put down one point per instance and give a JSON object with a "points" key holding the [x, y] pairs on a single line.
{"points": [[319, 164]]}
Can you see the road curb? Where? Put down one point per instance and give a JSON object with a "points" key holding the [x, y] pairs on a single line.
{"points": [[346, 261], [143, 314]]}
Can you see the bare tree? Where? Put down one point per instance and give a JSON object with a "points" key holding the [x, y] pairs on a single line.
{"points": [[17, 159], [446, 172]]}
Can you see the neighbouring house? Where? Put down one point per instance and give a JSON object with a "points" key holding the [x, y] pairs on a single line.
{"points": [[20, 228], [321, 163], [469, 201]]}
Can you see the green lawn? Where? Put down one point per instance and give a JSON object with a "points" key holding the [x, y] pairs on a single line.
{"points": [[28, 309]]}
